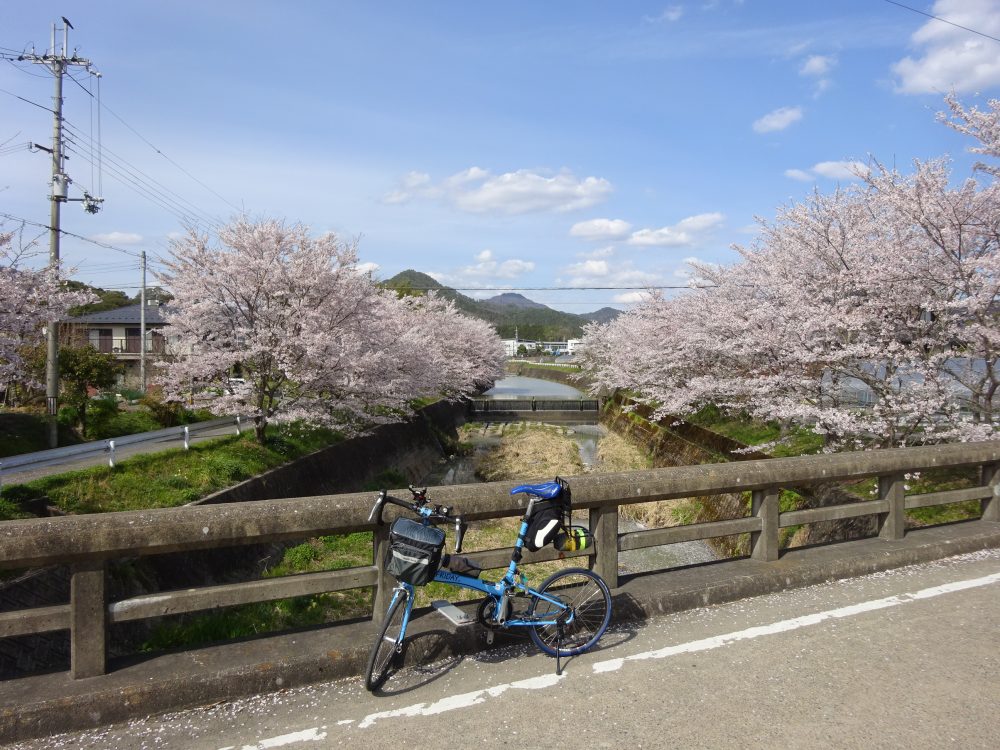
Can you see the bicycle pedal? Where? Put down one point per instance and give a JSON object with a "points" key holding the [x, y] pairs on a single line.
{"points": [[453, 613]]}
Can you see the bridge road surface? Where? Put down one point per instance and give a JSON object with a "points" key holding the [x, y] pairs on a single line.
{"points": [[904, 659]]}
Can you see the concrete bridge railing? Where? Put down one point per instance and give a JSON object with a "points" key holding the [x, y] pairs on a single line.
{"points": [[87, 543], [574, 410]]}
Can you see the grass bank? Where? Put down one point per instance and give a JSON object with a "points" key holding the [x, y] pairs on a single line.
{"points": [[165, 479]]}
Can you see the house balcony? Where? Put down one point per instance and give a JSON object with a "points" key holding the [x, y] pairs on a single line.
{"points": [[129, 347]]}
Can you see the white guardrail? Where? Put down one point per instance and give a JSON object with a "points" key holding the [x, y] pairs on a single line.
{"points": [[55, 456]]}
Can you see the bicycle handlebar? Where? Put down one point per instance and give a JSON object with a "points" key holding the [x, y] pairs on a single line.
{"points": [[421, 507]]}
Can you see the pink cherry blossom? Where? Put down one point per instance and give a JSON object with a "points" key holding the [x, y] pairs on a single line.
{"points": [[312, 335]]}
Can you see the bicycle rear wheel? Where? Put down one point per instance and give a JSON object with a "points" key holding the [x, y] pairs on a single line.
{"points": [[386, 646], [586, 595]]}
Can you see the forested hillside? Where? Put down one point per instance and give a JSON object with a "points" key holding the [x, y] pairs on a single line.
{"points": [[533, 321]]}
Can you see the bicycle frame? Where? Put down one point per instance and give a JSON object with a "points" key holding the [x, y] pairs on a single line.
{"points": [[495, 589]]}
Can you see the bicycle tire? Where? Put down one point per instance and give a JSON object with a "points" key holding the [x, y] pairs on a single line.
{"points": [[385, 648], [588, 595]]}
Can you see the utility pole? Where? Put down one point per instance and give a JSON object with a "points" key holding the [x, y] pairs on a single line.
{"points": [[58, 64], [142, 326]]}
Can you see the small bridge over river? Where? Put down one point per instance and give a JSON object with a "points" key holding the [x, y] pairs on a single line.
{"points": [[560, 410]]}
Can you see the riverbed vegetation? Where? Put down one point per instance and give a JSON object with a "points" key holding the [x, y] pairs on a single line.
{"points": [[531, 452]]}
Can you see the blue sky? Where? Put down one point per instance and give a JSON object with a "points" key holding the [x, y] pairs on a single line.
{"points": [[515, 145]]}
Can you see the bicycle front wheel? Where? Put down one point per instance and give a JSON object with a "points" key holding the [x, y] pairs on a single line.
{"points": [[582, 619], [386, 646]]}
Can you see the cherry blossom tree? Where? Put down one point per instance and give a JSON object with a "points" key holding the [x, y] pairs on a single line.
{"points": [[29, 299], [983, 125], [309, 334], [887, 290]]}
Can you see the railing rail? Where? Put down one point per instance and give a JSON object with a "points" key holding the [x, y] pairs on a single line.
{"points": [[487, 405], [88, 542], [155, 344], [54, 456]]}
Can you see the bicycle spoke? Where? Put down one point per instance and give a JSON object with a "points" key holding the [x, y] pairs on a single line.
{"points": [[585, 595]]}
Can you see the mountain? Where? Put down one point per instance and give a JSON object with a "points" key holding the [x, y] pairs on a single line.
{"points": [[507, 312], [604, 315], [510, 299]]}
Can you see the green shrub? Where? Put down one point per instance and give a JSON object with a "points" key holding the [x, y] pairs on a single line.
{"points": [[299, 558], [110, 424]]}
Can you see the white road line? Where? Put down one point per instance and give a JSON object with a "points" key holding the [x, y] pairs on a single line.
{"points": [[475, 697], [795, 623]]}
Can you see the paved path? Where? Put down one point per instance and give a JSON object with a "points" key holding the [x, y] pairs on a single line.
{"points": [[28, 473], [906, 658]]}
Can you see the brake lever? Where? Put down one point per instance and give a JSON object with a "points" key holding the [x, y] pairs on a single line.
{"points": [[377, 507]]}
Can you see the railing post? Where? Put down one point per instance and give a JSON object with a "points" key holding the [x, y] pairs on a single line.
{"points": [[385, 582], [764, 543], [111, 451], [989, 476], [604, 527], [238, 426], [187, 438], [892, 525], [88, 631]]}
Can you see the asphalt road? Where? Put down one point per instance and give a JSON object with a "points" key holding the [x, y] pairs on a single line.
{"points": [[907, 658], [27, 474]]}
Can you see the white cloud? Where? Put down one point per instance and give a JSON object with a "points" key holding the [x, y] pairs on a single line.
{"points": [[684, 233], [525, 191], [601, 229], [840, 170], [487, 267], [631, 298], [603, 252], [817, 65], [953, 58], [371, 268], [118, 238], [671, 14], [412, 185], [472, 174], [798, 174], [831, 170], [602, 273], [476, 190], [779, 119]]}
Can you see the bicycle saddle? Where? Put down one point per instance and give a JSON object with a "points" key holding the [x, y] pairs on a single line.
{"points": [[546, 490]]}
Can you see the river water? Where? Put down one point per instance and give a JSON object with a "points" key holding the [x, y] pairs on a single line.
{"points": [[517, 387], [461, 470]]}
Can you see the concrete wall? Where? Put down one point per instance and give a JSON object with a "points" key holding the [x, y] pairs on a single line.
{"points": [[411, 448]]}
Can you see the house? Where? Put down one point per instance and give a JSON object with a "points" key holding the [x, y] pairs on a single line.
{"points": [[118, 332]]}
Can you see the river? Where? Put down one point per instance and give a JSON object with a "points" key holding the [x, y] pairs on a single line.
{"points": [[461, 470]]}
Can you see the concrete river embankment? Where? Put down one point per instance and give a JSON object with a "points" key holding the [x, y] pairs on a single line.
{"points": [[486, 436]]}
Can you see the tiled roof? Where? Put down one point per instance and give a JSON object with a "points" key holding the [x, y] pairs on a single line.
{"points": [[124, 316]]}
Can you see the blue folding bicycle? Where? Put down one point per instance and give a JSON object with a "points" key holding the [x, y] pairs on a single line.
{"points": [[566, 615]]}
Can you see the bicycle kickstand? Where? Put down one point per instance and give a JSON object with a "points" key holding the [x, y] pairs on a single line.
{"points": [[558, 652]]}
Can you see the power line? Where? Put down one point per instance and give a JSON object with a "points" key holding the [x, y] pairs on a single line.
{"points": [[545, 288], [182, 208], [70, 234], [129, 179], [942, 20], [28, 101], [213, 222], [157, 150]]}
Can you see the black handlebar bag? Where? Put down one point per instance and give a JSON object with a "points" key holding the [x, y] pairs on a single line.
{"points": [[414, 554]]}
